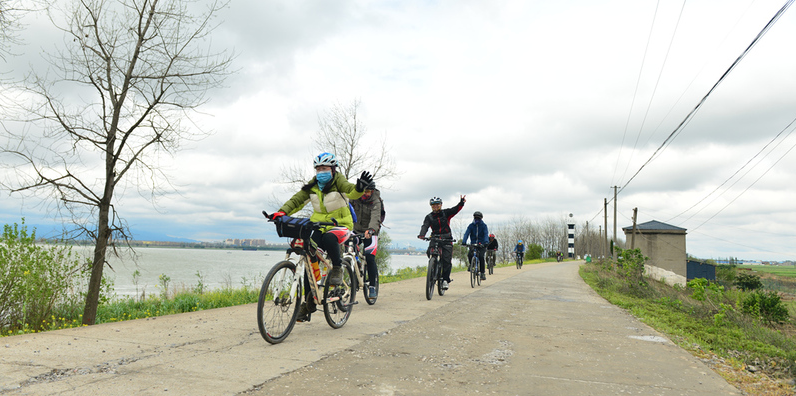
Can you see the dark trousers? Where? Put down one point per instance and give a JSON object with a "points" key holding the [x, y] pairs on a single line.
{"points": [[370, 260], [480, 252]]}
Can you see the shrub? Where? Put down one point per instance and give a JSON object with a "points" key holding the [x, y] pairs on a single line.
{"points": [[35, 279], [765, 305], [748, 282]]}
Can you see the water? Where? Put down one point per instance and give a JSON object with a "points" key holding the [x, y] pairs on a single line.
{"points": [[218, 268]]}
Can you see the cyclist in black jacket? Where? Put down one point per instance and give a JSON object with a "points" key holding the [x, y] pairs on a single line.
{"points": [[439, 220]]}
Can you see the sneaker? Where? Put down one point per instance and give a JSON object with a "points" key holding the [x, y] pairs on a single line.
{"points": [[372, 293], [444, 285], [483, 276], [336, 276]]}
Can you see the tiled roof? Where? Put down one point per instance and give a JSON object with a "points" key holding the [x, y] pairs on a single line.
{"points": [[654, 225]]}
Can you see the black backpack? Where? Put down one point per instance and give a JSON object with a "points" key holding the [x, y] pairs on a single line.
{"points": [[381, 219]]}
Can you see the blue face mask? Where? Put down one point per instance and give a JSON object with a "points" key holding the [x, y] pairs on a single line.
{"points": [[323, 178]]}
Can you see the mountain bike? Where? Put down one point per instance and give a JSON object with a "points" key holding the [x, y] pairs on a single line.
{"points": [[490, 260], [475, 266], [282, 294], [519, 259], [434, 272], [353, 254]]}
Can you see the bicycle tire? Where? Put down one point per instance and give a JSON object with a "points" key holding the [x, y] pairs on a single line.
{"points": [[277, 307], [338, 300], [366, 287], [431, 277], [478, 272]]}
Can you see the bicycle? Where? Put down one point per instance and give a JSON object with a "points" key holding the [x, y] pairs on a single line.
{"points": [[434, 272], [354, 254], [519, 260], [490, 260], [475, 266], [282, 294]]}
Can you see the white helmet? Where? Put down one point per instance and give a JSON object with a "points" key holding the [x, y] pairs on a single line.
{"points": [[325, 159]]}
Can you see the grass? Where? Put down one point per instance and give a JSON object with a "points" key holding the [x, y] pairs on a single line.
{"points": [[787, 271], [185, 299], [713, 329]]}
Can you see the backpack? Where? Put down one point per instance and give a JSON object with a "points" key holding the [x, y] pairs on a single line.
{"points": [[381, 219]]}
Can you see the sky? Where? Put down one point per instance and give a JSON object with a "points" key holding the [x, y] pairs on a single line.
{"points": [[532, 109]]}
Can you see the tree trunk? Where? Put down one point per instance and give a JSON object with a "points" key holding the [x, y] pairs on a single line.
{"points": [[95, 283]]}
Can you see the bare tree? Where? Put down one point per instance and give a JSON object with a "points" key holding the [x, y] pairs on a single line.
{"points": [[10, 13], [116, 98], [342, 132]]}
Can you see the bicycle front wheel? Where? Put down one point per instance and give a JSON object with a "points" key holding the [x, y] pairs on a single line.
{"points": [[277, 307], [431, 278], [338, 300], [473, 271]]}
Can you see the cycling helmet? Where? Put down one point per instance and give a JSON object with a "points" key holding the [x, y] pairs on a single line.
{"points": [[520, 241], [371, 186], [478, 214], [491, 235], [325, 159], [435, 201]]}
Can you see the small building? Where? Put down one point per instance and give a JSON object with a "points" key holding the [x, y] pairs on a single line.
{"points": [[664, 245], [697, 269]]}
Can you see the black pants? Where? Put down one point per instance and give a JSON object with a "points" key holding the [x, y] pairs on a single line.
{"points": [[328, 243], [370, 260], [480, 252], [446, 254]]}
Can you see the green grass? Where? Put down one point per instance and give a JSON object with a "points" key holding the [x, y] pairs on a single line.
{"points": [[789, 271]]}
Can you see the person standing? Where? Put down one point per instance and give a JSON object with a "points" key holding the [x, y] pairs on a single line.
{"points": [[478, 233], [439, 221], [368, 211]]}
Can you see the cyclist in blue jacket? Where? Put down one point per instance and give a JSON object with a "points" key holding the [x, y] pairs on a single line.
{"points": [[478, 233], [520, 250]]}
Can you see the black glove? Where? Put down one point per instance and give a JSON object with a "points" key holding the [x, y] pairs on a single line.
{"points": [[364, 180]]}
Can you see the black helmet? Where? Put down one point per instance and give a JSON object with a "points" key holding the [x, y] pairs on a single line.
{"points": [[435, 201], [478, 215], [371, 186]]}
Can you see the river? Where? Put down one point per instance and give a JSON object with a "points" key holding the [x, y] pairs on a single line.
{"points": [[215, 267]]}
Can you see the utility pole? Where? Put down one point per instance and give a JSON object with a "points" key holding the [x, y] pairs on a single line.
{"points": [[633, 237], [614, 250], [605, 212], [600, 237]]}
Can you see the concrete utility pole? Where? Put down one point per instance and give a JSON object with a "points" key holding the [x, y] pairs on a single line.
{"points": [[605, 212], [633, 237], [614, 250]]}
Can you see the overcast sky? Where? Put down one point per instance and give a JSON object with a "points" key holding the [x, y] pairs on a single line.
{"points": [[533, 109]]}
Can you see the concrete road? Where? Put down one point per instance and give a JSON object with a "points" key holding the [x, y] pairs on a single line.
{"points": [[539, 330]]}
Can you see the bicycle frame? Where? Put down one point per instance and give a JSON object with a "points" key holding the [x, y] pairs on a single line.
{"points": [[353, 252], [297, 246]]}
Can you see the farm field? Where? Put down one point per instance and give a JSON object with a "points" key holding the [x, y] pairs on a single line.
{"points": [[789, 271]]}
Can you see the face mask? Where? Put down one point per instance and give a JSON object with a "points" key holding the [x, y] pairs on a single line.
{"points": [[323, 177]]}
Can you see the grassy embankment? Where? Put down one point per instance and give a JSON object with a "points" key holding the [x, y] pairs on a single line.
{"points": [[181, 299], [756, 356]]}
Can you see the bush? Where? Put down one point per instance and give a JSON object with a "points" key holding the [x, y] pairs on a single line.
{"points": [[747, 282], [765, 305], [35, 279]]}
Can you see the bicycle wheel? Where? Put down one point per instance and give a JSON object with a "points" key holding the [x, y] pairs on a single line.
{"points": [[431, 277], [491, 263], [277, 307], [518, 262], [366, 287], [338, 300], [472, 271]]}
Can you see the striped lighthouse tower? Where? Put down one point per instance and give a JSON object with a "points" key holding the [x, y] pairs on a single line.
{"points": [[570, 237]]}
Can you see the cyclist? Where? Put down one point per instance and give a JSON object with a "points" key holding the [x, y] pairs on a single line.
{"points": [[329, 192], [439, 220], [492, 247], [368, 211], [519, 249], [478, 233]]}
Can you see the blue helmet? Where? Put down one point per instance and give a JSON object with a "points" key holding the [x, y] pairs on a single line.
{"points": [[325, 159], [520, 242]]}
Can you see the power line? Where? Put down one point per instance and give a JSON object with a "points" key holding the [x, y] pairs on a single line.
{"points": [[696, 108]]}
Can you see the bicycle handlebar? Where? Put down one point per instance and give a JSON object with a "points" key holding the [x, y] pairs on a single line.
{"points": [[438, 239], [315, 224]]}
